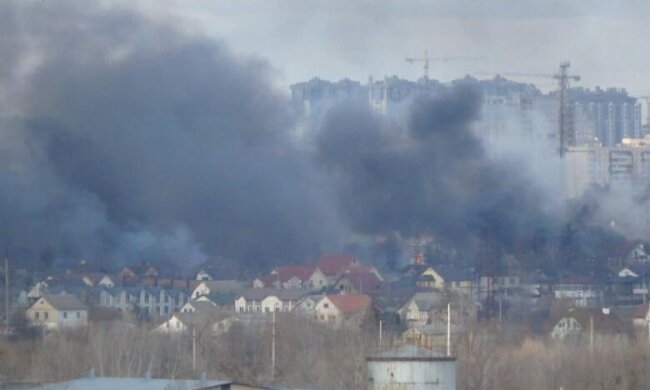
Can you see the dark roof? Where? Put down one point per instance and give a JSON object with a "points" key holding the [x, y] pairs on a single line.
{"points": [[220, 299], [642, 269], [64, 302], [293, 294], [363, 282], [224, 286], [453, 273], [579, 279]]}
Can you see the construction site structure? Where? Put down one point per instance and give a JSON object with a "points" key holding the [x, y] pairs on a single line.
{"points": [[566, 136], [426, 61]]}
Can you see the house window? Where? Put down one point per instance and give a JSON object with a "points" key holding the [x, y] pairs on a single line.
{"points": [[65, 314], [241, 309], [37, 315], [326, 305], [45, 315], [78, 314]]}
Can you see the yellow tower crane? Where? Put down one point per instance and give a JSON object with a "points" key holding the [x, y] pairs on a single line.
{"points": [[426, 60]]}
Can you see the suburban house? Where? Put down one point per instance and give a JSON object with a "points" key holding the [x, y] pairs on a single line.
{"points": [[223, 301], [576, 323], [204, 306], [58, 311], [343, 310], [638, 255], [203, 275], [135, 272], [184, 322], [583, 291], [269, 300], [208, 287], [446, 277], [333, 265], [418, 309], [632, 281], [499, 285], [358, 283], [293, 276], [146, 301], [98, 279], [431, 336]]}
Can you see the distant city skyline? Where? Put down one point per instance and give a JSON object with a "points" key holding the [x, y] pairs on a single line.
{"points": [[338, 39]]}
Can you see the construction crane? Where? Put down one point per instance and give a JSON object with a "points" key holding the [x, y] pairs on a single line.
{"points": [[426, 60], [564, 113]]}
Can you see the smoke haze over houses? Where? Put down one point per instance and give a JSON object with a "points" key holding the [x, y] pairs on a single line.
{"points": [[125, 137]]}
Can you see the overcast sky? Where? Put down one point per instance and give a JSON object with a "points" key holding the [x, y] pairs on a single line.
{"points": [[605, 40]]}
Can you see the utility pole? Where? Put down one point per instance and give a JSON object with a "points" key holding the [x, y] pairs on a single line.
{"points": [[194, 350], [591, 333], [7, 300], [448, 329], [273, 347]]}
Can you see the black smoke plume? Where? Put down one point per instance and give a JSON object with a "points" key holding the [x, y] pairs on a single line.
{"points": [[125, 139], [433, 180]]}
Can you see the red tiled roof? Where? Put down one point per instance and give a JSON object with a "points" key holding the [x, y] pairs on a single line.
{"points": [[268, 280], [359, 268], [302, 272], [335, 264], [350, 304]]}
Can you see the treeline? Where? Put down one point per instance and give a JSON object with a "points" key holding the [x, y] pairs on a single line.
{"points": [[309, 355]]}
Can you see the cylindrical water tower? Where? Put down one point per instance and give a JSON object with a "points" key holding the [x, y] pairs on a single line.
{"points": [[411, 368]]}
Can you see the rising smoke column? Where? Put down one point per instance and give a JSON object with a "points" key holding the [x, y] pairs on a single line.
{"points": [[125, 139], [434, 180]]}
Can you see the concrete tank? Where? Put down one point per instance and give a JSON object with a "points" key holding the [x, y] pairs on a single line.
{"points": [[411, 368]]}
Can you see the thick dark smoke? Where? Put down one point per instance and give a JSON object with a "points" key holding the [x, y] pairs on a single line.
{"points": [[435, 180], [124, 139]]}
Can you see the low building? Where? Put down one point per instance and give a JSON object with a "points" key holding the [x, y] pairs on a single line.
{"points": [[208, 287], [419, 308], [431, 336], [269, 300], [358, 283], [58, 311], [106, 383], [446, 277], [577, 323], [582, 291], [343, 310]]}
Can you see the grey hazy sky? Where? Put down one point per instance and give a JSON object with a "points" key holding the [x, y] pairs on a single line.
{"points": [[603, 39]]}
